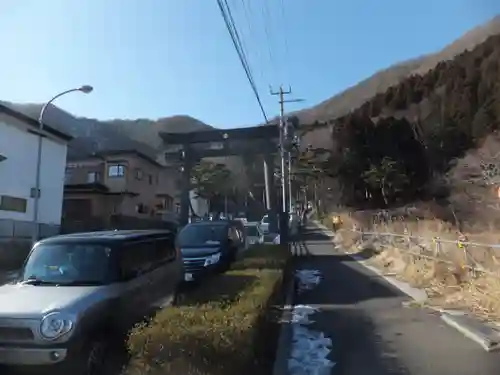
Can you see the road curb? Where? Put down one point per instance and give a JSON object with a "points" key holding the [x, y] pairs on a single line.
{"points": [[280, 366], [419, 295], [487, 337]]}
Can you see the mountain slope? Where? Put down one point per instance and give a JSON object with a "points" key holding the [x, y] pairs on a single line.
{"points": [[146, 131], [355, 96], [93, 135], [393, 147]]}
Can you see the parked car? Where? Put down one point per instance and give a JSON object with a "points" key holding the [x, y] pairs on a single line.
{"points": [[243, 219], [293, 224], [264, 224], [253, 234], [209, 246], [77, 291]]}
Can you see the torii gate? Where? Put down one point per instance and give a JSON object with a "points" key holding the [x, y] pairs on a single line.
{"points": [[191, 147]]}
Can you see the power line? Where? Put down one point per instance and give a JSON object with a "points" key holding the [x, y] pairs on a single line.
{"points": [[285, 38], [267, 19], [233, 33], [238, 39], [270, 19], [252, 33]]}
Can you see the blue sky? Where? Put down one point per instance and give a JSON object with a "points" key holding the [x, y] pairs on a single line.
{"points": [[158, 58]]}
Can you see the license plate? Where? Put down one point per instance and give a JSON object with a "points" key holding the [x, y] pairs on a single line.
{"points": [[188, 277]]}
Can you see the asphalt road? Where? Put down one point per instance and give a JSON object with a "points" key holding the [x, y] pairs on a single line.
{"points": [[372, 332]]}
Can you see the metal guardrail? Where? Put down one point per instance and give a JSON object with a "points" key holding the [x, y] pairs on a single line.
{"points": [[432, 248]]}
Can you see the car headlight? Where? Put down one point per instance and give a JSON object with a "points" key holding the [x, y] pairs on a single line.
{"points": [[55, 325], [212, 259]]}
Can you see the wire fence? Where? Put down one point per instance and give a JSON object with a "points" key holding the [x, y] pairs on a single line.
{"points": [[474, 256]]}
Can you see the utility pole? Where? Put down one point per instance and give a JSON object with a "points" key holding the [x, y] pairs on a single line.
{"points": [[286, 178], [283, 176]]}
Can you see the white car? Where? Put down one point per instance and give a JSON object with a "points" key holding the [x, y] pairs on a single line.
{"points": [[264, 224], [293, 224], [253, 234]]}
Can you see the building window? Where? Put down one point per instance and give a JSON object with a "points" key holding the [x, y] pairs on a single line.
{"points": [[92, 177], [8, 203], [116, 170], [141, 208], [150, 179], [139, 175], [168, 203]]}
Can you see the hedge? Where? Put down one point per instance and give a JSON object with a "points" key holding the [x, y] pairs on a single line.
{"points": [[226, 326]]}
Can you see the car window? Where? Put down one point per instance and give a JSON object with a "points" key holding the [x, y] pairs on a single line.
{"points": [[165, 249], [202, 235], [137, 258], [69, 263], [265, 220], [252, 231]]}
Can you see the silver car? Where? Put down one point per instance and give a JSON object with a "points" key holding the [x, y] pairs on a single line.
{"points": [[253, 234], [76, 291]]}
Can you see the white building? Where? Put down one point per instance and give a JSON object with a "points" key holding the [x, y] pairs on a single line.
{"points": [[18, 154]]}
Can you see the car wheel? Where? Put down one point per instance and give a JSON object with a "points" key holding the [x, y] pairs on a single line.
{"points": [[225, 265], [178, 297], [89, 359], [96, 353]]}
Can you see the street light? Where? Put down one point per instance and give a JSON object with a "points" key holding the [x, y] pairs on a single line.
{"points": [[86, 89]]}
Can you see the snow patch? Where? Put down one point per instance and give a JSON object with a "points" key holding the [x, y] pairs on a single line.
{"points": [[307, 279], [310, 348]]}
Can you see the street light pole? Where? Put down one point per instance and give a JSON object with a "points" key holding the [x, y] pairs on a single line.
{"points": [[290, 203], [86, 89]]}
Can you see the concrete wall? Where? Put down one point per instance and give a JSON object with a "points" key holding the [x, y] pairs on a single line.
{"points": [[17, 175]]}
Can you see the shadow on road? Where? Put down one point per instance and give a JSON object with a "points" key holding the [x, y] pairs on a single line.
{"points": [[345, 281], [344, 293]]}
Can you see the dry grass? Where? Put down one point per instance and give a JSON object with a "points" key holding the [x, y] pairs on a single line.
{"points": [[455, 275], [226, 326]]}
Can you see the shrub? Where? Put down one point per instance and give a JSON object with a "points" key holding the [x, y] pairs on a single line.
{"points": [[225, 326]]}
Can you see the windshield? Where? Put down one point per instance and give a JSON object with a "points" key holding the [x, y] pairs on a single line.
{"points": [[73, 264], [202, 235], [252, 231]]}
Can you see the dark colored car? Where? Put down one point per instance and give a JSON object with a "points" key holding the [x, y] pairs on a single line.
{"points": [[209, 246]]}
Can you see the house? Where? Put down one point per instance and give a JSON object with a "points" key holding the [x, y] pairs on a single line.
{"points": [[19, 135], [128, 183]]}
